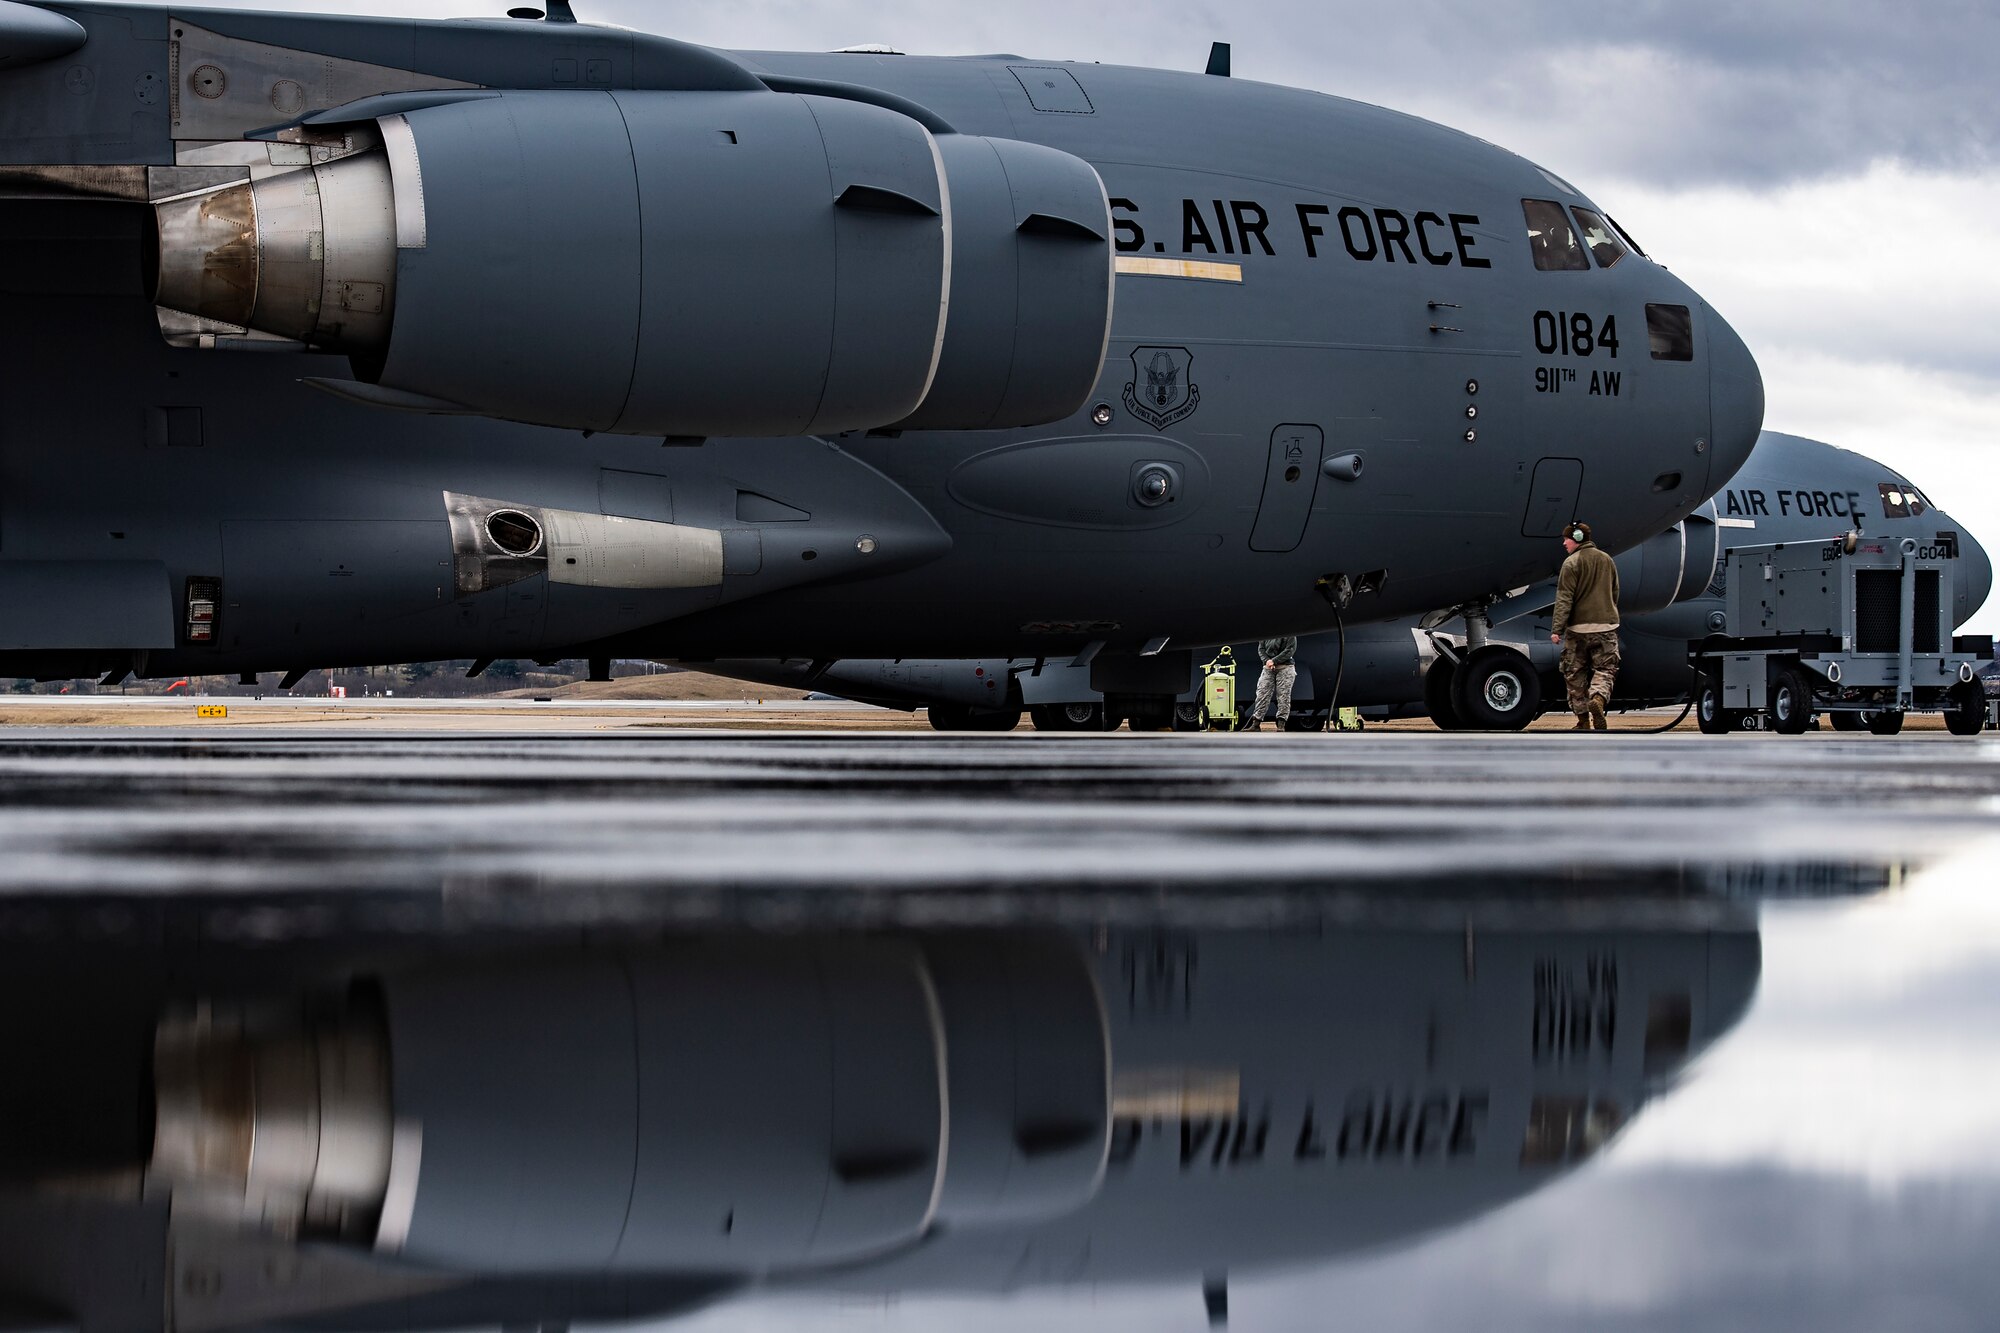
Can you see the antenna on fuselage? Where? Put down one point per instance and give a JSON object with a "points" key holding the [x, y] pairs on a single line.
{"points": [[1218, 59]]}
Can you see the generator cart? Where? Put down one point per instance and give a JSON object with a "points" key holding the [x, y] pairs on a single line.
{"points": [[1856, 628], [1218, 693]]}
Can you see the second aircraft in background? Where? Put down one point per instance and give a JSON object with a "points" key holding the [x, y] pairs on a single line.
{"points": [[1792, 489]]}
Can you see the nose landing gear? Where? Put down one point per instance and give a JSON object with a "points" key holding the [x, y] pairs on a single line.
{"points": [[1483, 686], [1497, 689]]}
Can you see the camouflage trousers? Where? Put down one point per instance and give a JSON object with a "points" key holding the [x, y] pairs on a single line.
{"points": [[1276, 681], [1589, 665]]}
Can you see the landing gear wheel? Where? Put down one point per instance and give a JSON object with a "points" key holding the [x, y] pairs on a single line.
{"points": [[1437, 695], [1305, 719], [1887, 723], [1187, 717], [1791, 703], [1496, 689], [1068, 717], [1846, 721], [1966, 714], [1709, 714], [957, 717]]}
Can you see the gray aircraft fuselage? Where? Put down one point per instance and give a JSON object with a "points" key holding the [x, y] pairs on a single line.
{"points": [[1307, 288], [1792, 489]]}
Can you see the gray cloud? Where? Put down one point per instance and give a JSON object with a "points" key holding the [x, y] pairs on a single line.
{"points": [[1689, 92]]}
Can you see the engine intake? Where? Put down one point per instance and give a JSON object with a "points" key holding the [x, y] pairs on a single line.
{"points": [[706, 264]]}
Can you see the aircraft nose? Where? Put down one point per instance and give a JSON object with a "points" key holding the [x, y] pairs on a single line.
{"points": [[1735, 400], [1975, 571]]}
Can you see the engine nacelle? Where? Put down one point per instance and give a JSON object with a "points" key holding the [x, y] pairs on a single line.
{"points": [[1031, 283], [702, 264], [1671, 566]]}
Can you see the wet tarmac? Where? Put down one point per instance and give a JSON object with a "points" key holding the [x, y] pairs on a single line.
{"points": [[1507, 1032], [1190, 817]]}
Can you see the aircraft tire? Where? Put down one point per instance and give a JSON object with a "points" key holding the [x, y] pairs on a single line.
{"points": [[1709, 714], [949, 717], [1791, 703], [1155, 714], [1438, 696], [1005, 720], [1966, 714], [957, 717], [1496, 689], [1078, 716], [1886, 723]]}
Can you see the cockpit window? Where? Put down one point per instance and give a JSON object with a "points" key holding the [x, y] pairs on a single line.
{"points": [[1551, 238], [1670, 332], [1630, 244], [1605, 247], [1900, 500]]}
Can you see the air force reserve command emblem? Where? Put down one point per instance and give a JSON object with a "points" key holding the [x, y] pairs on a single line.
{"points": [[1161, 392]]}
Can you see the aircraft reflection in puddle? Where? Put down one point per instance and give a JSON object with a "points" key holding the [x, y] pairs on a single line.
{"points": [[367, 1131]]}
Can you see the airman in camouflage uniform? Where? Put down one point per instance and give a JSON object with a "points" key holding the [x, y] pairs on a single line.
{"points": [[1586, 625], [1275, 681]]}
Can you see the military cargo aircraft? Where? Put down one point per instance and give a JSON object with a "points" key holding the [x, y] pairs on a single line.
{"points": [[1792, 489], [341, 341], [344, 1111]]}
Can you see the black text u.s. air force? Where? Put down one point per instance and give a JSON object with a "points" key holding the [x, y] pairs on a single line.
{"points": [[1205, 227]]}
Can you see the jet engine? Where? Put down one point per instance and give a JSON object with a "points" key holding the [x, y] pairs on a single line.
{"points": [[1670, 566], [697, 264]]}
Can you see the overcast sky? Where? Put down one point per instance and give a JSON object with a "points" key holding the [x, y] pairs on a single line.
{"points": [[1825, 172]]}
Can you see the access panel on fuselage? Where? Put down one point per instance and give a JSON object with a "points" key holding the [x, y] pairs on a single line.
{"points": [[1552, 497], [311, 586], [1291, 476]]}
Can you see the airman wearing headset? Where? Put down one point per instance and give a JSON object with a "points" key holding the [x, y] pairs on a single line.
{"points": [[1586, 625]]}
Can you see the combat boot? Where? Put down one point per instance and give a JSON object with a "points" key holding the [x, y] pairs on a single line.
{"points": [[1597, 721], [1582, 722]]}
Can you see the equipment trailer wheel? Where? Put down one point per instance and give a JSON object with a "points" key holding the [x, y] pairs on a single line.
{"points": [[1438, 682], [1187, 717], [1846, 721], [1791, 702], [1709, 714], [1966, 714], [1496, 689], [1886, 723]]}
